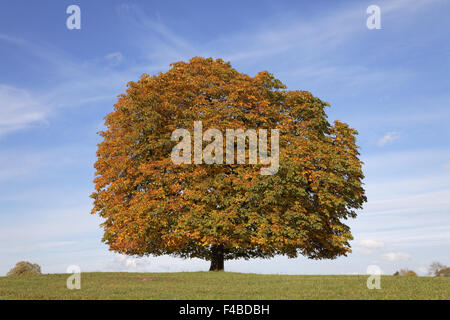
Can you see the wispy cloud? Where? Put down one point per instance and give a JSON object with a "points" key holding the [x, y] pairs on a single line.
{"points": [[396, 256], [388, 138], [19, 109], [114, 58], [310, 40], [370, 244], [158, 43]]}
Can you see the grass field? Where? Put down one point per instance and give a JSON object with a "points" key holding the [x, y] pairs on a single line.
{"points": [[220, 285]]}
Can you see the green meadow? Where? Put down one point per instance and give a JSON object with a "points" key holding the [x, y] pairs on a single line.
{"points": [[220, 285]]}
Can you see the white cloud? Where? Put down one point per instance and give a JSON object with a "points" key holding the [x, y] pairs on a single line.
{"points": [[75, 86], [331, 29], [114, 58], [126, 262], [18, 109], [130, 262], [154, 38], [388, 138], [396, 256], [415, 236], [409, 203], [371, 244]]}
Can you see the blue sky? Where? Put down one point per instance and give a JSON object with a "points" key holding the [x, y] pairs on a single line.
{"points": [[392, 85]]}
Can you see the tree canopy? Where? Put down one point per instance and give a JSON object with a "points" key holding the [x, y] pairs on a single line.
{"points": [[152, 206]]}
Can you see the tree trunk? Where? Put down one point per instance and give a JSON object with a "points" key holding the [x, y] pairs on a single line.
{"points": [[217, 258]]}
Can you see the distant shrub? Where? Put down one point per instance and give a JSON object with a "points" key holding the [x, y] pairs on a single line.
{"points": [[443, 272], [435, 267], [24, 268], [405, 273]]}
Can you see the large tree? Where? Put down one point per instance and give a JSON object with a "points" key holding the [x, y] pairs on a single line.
{"points": [[152, 206]]}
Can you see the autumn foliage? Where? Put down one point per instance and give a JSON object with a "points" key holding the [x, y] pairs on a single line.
{"points": [[216, 212]]}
